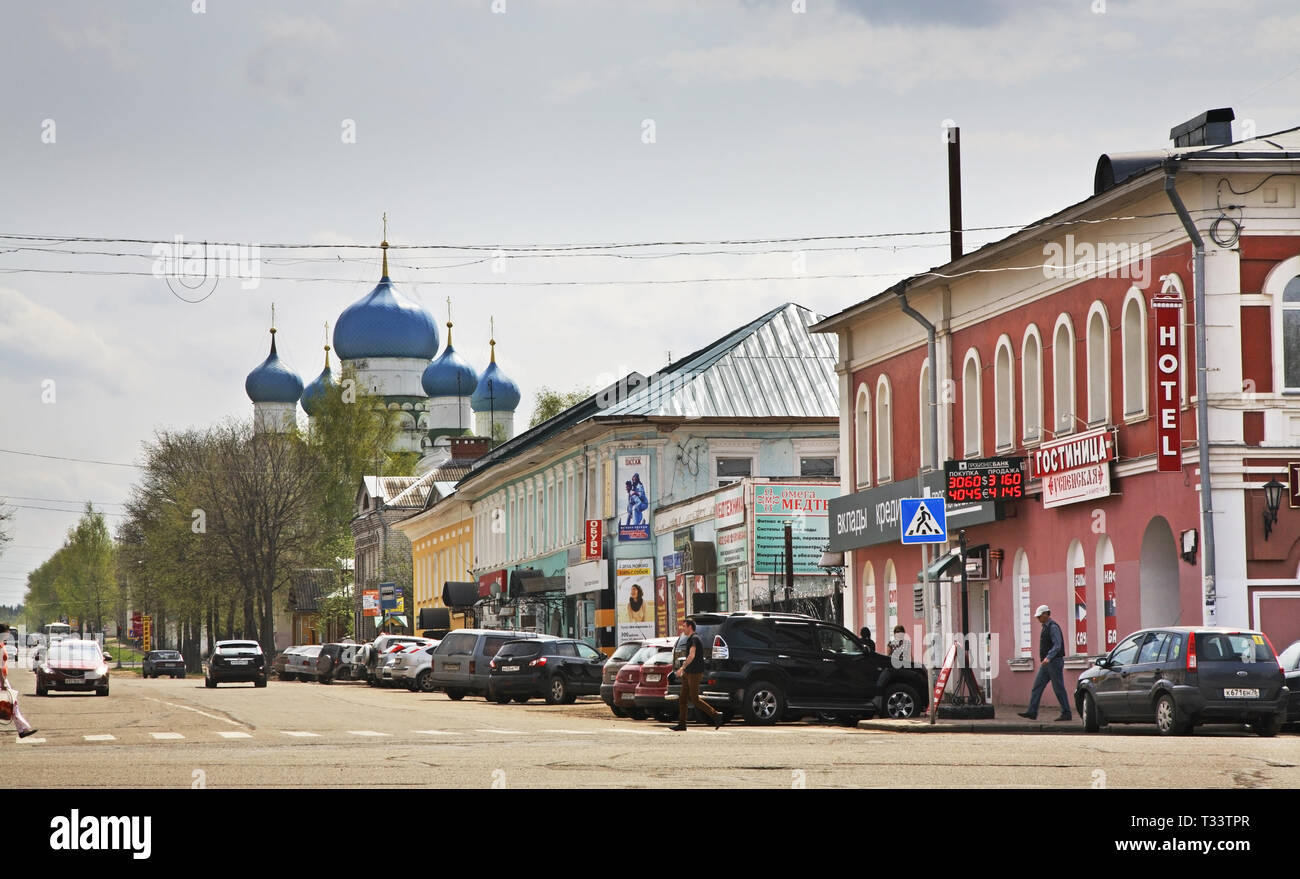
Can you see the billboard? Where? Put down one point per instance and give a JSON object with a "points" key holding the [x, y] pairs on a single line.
{"points": [[632, 488], [805, 506], [370, 602], [635, 600]]}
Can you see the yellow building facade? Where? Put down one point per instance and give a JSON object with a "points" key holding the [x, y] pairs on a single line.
{"points": [[442, 549]]}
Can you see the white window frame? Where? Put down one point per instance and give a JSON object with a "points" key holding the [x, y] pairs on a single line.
{"points": [[1063, 422], [1031, 332], [861, 438], [884, 424], [1097, 311], [967, 395], [1134, 345], [1000, 442], [922, 404], [732, 449]]}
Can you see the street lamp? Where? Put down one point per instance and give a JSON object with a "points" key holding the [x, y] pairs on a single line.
{"points": [[1272, 499]]}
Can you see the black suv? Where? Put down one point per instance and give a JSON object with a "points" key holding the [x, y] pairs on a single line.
{"points": [[1180, 677], [769, 667], [235, 661], [337, 662], [559, 671]]}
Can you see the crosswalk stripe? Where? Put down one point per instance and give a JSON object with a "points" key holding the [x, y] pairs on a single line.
{"points": [[571, 732], [31, 741], [299, 733], [366, 732], [234, 735], [434, 732], [641, 732], [501, 732], [100, 738], [166, 735]]}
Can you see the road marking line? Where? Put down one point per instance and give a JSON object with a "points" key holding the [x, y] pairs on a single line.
{"points": [[234, 735], [31, 741], [434, 732], [570, 732], [196, 711], [299, 733], [166, 735], [641, 732], [502, 732], [100, 738], [366, 732]]}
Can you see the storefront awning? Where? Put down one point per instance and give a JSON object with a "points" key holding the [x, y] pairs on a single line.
{"points": [[542, 584], [459, 594], [700, 557]]}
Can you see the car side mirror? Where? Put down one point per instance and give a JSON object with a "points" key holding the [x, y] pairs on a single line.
{"points": [[108, 657], [1103, 662]]}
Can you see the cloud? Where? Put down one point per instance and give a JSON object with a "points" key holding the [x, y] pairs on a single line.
{"points": [[281, 65], [572, 86], [40, 342], [108, 39]]}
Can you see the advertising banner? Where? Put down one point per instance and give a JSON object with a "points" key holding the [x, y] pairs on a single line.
{"points": [[635, 602], [595, 537], [869, 613], [1026, 616], [733, 547], [1076, 468], [1111, 609], [387, 596], [661, 607], [632, 484], [729, 507], [146, 633], [1167, 372], [805, 506], [679, 603], [1080, 610], [586, 577], [370, 602]]}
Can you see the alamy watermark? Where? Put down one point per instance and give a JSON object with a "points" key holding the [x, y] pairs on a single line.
{"points": [[1105, 259], [196, 265]]}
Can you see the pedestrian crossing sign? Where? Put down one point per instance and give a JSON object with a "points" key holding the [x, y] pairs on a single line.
{"points": [[924, 520]]}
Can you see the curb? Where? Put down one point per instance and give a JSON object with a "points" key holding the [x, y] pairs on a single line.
{"points": [[972, 726]]}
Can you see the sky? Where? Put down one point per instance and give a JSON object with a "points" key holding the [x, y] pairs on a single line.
{"points": [[489, 129]]}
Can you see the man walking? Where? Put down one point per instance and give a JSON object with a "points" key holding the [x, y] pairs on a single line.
{"points": [[20, 723], [690, 673], [1051, 653]]}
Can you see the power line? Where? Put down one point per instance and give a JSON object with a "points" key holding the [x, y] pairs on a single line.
{"points": [[57, 510], [57, 500], [77, 460]]}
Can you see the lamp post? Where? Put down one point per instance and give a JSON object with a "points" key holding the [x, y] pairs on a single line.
{"points": [[1272, 500]]}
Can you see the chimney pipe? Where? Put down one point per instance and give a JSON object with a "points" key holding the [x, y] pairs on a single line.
{"points": [[954, 191]]}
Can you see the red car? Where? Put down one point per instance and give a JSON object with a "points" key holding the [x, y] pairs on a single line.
{"points": [[630, 675], [650, 695], [73, 665]]}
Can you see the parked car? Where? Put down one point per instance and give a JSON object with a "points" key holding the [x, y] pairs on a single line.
{"points": [[281, 662], [379, 650], [162, 662], [388, 676], [73, 664], [1289, 659], [233, 661], [413, 668], [1181, 677], [301, 664], [772, 666], [651, 691], [609, 673], [460, 664], [630, 675], [559, 671], [338, 662]]}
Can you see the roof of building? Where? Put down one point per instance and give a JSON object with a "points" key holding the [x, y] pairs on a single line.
{"points": [[385, 488], [272, 381], [385, 323], [308, 586]]}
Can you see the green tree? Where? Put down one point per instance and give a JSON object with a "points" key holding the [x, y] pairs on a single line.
{"points": [[551, 403]]}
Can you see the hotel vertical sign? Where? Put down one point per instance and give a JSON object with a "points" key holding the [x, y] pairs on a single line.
{"points": [[1168, 369]]}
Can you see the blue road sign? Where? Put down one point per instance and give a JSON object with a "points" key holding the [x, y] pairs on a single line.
{"points": [[924, 520]]}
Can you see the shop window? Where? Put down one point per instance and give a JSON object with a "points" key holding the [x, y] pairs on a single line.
{"points": [[970, 404], [1134, 340], [884, 431], [1004, 396], [816, 466], [730, 470], [1063, 377]]}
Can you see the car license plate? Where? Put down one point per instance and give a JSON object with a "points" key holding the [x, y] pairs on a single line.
{"points": [[239, 662], [652, 678], [451, 666], [628, 697], [510, 668], [1241, 694]]}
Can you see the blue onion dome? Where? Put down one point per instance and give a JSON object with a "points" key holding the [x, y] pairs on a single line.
{"points": [[385, 324], [273, 381], [449, 375], [496, 391], [315, 391]]}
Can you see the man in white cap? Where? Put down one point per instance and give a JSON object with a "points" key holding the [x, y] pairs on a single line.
{"points": [[1051, 653]]}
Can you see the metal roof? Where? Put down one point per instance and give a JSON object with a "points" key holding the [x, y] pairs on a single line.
{"points": [[385, 487], [308, 586], [773, 367]]}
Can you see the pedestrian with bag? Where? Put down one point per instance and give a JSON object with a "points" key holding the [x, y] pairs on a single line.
{"points": [[1051, 666], [20, 723]]}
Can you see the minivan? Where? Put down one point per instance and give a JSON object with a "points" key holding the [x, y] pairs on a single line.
{"points": [[460, 664]]}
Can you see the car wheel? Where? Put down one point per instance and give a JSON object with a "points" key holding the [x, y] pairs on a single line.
{"points": [[636, 713], [522, 700], [618, 712], [424, 681], [850, 719], [41, 689], [209, 683], [101, 692], [664, 715], [325, 680], [1169, 720], [1267, 726], [557, 690], [259, 682], [1091, 720], [501, 698], [455, 695], [764, 703], [900, 701]]}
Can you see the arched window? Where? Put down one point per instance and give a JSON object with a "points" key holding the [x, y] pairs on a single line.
{"points": [[862, 431], [970, 404], [1063, 376], [867, 613], [1004, 403], [1024, 615], [927, 461], [884, 431], [1098, 365], [1031, 385], [1133, 330]]}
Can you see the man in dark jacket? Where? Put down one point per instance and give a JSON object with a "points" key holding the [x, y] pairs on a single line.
{"points": [[1051, 653], [689, 674]]}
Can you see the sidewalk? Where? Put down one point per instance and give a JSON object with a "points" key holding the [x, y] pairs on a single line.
{"points": [[1007, 721]]}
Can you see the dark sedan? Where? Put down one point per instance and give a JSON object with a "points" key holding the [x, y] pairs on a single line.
{"points": [[559, 671], [1289, 659], [163, 662]]}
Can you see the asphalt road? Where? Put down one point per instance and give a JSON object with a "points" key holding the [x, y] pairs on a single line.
{"points": [[175, 733]]}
